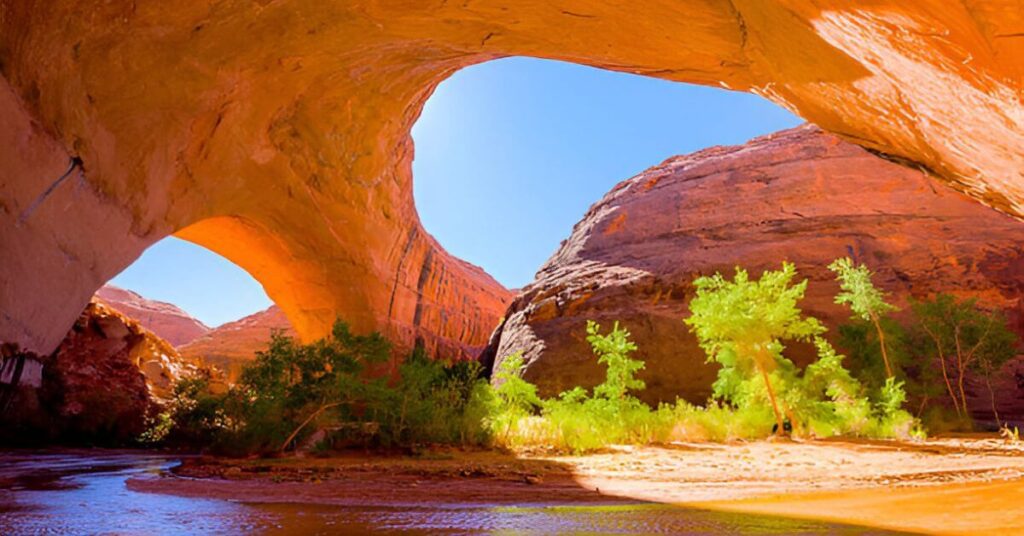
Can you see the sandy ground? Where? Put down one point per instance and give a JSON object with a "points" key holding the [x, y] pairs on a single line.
{"points": [[943, 486]]}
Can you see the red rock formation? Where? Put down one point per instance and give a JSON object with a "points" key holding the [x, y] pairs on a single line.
{"points": [[799, 195], [232, 345], [103, 382], [277, 133], [165, 320]]}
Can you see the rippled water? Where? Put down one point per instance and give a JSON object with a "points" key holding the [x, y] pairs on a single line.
{"points": [[85, 493]]}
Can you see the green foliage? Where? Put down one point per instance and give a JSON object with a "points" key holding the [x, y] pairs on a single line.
{"points": [[859, 338], [741, 324], [961, 337], [433, 402], [611, 415], [196, 414], [613, 351], [823, 400], [866, 301], [858, 292], [576, 420], [515, 394], [515, 399], [747, 319], [292, 389]]}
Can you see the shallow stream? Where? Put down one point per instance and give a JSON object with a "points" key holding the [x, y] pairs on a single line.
{"points": [[84, 492]]}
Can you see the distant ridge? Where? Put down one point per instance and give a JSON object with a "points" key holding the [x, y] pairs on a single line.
{"points": [[233, 344], [166, 320]]}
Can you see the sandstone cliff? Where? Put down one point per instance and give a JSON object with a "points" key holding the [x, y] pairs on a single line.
{"points": [[799, 195], [165, 320], [277, 133], [232, 345], [104, 381]]}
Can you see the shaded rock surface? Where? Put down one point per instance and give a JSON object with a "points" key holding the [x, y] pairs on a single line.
{"points": [[232, 345], [107, 377], [278, 133], [800, 195], [165, 320]]}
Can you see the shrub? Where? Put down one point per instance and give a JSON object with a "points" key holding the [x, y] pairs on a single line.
{"points": [[515, 399], [292, 389], [433, 402]]}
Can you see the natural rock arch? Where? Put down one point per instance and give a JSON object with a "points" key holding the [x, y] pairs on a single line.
{"points": [[285, 126]]}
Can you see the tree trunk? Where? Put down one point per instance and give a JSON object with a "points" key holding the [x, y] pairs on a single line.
{"points": [[945, 372], [920, 409], [881, 343], [992, 399], [309, 419], [949, 387], [960, 369], [775, 405]]}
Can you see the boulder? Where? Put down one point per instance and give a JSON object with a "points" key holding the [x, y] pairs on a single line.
{"points": [[800, 195], [102, 385]]}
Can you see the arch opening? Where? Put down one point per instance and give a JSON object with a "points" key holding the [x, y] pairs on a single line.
{"points": [[211, 310], [511, 153]]}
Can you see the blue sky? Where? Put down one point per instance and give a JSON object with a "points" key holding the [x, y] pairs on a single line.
{"points": [[509, 155]]}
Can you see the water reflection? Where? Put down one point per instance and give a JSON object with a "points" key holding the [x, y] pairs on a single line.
{"points": [[85, 493]]}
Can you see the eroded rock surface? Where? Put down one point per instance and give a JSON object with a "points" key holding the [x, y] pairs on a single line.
{"points": [[230, 346], [165, 320], [277, 133], [107, 377], [800, 195]]}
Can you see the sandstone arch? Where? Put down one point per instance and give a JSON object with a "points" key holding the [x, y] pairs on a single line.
{"points": [[294, 115]]}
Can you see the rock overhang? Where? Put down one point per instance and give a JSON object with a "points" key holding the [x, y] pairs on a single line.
{"points": [[277, 133]]}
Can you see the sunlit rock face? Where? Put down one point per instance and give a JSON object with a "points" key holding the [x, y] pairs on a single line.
{"points": [[165, 320], [230, 346], [799, 195], [277, 133], [107, 377]]}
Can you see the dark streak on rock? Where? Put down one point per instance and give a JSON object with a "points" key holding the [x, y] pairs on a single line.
{"points": [[75, 162], [413, 233], [425, 271], [580, 15]]}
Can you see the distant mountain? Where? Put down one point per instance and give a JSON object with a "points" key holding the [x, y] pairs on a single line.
{"points": [[231, 345], [166, 320]]}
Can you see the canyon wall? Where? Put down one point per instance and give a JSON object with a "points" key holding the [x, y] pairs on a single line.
{"points": [[165, 320], [102, 384], [230, 346], [800, 195], [276, 133]]}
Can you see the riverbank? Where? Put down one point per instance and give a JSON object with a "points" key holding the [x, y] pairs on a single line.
{"points": [[941, 486]]}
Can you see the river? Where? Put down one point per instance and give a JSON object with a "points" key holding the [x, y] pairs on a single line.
{"points": [[85, 492]]}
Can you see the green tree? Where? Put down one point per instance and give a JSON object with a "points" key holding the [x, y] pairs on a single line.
{"points": [[742, 323], [965, 338], [865, 300], [514, 393], [613, 351]]}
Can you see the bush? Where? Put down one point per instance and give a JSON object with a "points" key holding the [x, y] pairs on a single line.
{"points": [[434, 402], [292, 390]]}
